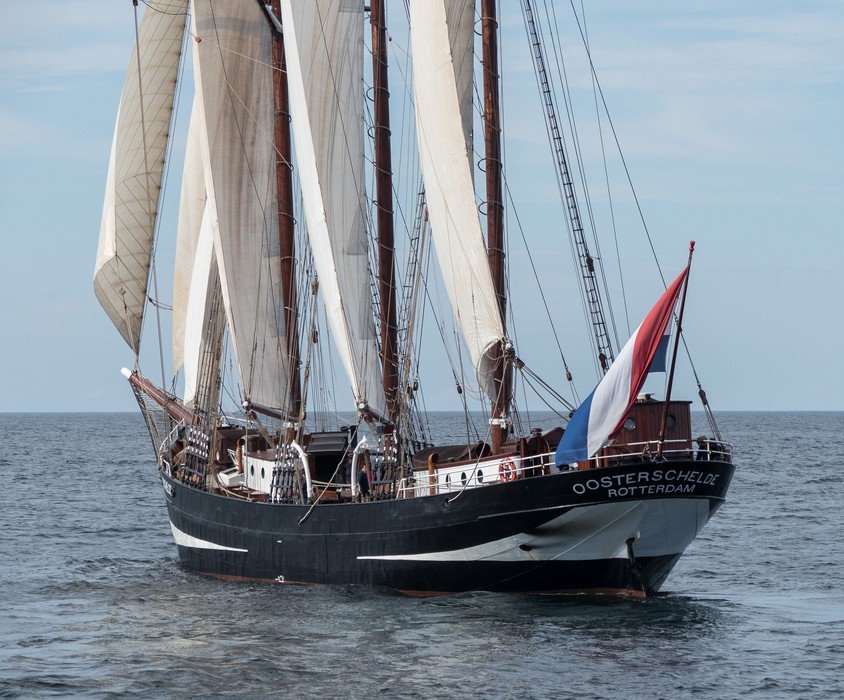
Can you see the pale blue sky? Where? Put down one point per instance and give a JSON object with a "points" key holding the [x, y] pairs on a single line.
{"points": [[729, 114]]}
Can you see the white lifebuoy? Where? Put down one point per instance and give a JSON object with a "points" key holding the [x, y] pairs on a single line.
{"points": [[506, 470]]}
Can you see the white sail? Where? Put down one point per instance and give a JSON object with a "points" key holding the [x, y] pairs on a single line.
{"points": [[449, 186], [324, 49], [197, 311], [460, 19], [135, 170], [195, 265], [233, 66], [191, 213]]}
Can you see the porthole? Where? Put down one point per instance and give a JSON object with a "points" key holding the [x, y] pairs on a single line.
{"points": [[480, 476], [670, 421], [629, 424], [262, 473], [251, 470], [463, 477]]}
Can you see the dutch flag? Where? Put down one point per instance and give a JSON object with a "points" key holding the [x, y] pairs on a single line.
{"points": [[604, 410]]}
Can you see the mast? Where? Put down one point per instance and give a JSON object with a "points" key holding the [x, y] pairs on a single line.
{"points": [[384, 205], [664, 422], [495, 213], [286, 222]]}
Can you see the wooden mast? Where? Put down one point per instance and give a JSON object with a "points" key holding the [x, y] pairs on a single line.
{"points": [[286, 227], [495, 213], [384, 205]]}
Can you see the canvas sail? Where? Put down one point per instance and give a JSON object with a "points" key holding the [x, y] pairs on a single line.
{"points": [[195, 268], [324, 49], [191, 213], [460, 20], [135, 170], [233, 66], [198, 305], [447, 171]]}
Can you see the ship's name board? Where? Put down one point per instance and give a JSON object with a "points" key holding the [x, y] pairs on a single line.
{"points": [[648, 483]]}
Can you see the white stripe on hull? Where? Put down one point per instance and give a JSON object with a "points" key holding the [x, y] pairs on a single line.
{"points": [[592, 532], [185, 540]]}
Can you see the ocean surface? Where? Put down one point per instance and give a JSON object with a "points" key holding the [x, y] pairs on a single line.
{"points": [[93, 602]]}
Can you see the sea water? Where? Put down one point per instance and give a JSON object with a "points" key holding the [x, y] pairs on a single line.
{"points": [[94, 603]]}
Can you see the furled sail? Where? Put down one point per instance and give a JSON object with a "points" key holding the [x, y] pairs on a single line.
{"points": [[324, 48], [135, 169], [233, 67], [449, 185]]}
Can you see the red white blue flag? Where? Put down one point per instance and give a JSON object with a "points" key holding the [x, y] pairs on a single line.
{"points": [[605, 409]]}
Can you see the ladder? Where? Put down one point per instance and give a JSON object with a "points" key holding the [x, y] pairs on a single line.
{"points": [[585, 261]]}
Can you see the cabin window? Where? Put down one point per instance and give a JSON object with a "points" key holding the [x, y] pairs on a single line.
{"points": [[629, 424], [670, 421], [463, 477], [262, 472], [251, 470], [480, 477]]}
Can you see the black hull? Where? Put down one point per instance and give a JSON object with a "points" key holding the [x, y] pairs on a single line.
{"points": [[617, 530]]}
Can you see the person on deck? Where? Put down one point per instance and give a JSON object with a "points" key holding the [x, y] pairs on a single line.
{"points": [[703, 452], [363, 483]]}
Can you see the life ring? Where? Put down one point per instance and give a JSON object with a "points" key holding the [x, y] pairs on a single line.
{"points": [[506, 470]]}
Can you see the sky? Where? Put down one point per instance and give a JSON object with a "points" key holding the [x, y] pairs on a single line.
{"points": [[729, 115]]}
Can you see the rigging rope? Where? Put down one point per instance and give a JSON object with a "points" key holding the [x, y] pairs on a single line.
{"points": [[600, 93], [147, 181]]}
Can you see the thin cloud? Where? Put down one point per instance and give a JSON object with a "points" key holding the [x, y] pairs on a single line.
{"points": [[62, 39]]}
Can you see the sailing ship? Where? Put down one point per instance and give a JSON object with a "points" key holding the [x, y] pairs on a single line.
{"points": [[288, 265]]}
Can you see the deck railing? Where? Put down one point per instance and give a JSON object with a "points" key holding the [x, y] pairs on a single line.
{"points": [[485, 472]]}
